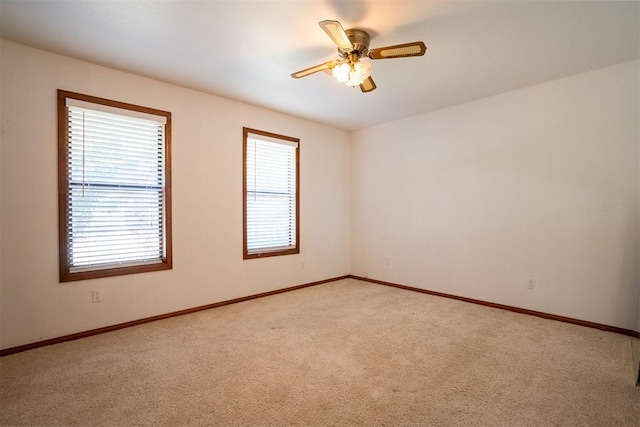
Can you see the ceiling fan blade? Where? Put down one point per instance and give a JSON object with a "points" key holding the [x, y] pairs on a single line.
{"points": [[398, 51], [335, 31], [314, 69], [368, 85]]}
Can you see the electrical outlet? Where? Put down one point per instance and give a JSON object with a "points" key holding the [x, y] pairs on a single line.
{"points": [[531, 284], [386, 260], [302, 265], [96, 295]]}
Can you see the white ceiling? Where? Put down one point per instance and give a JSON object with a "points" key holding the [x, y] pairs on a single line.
{"points": [[246, 49]]}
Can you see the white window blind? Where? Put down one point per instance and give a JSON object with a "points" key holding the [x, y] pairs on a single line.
{"points": [[271, 180], [115, 193]]}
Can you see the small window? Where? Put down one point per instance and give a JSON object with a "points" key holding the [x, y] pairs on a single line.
{"points": [[271, 199], [114, 185]]}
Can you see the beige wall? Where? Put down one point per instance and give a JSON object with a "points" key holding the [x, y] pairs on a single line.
{"points": [[537, 183], [207, 202], [472, 200]]}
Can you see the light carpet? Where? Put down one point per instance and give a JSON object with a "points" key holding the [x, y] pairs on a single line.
{"points": [[341, 353]]}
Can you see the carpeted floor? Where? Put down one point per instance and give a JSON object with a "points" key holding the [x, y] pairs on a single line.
{"points": [[341, 353]]}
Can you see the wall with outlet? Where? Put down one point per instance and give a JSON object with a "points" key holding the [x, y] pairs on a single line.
{"points": [[207, 202], [529, 198]]}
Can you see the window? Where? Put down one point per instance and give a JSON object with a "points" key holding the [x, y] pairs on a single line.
{"points": [[271, 209], [114, 186]]}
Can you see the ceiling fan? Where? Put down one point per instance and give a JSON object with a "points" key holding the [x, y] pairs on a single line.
{"points": [[352, 66]]}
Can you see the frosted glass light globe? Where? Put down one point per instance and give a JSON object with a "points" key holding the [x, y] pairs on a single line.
{"points": [[361, 70], [341, 72]]}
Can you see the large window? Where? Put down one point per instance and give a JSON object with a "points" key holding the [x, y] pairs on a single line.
{"points": [[114, 184], [271, 198]]}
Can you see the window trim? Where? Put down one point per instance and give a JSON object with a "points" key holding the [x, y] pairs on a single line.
{"points": [[66, 275], [295, 250]]}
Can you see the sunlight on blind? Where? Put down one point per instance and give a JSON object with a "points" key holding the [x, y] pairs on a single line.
{"points": [[271, 195], [116, 182]]}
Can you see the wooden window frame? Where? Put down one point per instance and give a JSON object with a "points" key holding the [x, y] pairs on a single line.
{"points": [[66, 273], [268, 253]]}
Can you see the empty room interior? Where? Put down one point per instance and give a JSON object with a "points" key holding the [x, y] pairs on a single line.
{"points": [[357, 212]]}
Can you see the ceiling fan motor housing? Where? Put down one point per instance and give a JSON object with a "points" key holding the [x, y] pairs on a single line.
{"points": [[360, 41]]}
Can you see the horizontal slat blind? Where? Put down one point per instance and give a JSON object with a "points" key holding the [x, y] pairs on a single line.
{"points": [[271, 195], [115, 175]]}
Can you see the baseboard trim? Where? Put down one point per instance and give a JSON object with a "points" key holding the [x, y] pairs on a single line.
{"points": [[564, 319], [85, 334]]}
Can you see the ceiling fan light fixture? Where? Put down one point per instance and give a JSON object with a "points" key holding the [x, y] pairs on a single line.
{"points": [[352, 73]]}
